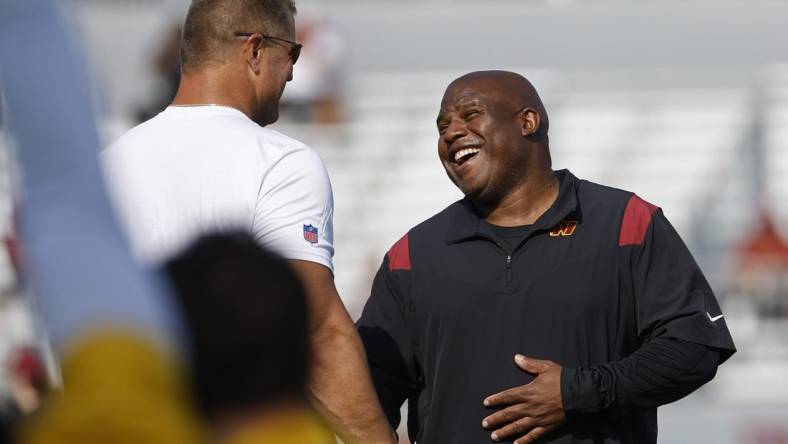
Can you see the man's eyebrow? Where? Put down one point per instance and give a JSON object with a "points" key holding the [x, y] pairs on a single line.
{"points": [[469, 103], [473, 102]]}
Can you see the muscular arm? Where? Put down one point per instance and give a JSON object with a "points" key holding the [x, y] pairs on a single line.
{"points": [[340, 381]]}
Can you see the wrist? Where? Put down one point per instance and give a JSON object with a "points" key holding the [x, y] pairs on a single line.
{"points": [[580, 392]]}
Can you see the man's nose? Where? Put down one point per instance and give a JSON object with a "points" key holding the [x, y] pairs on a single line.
{"points": [[455, 131]]}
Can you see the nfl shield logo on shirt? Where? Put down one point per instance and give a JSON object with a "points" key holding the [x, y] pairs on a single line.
{"points": [[310, 234]]}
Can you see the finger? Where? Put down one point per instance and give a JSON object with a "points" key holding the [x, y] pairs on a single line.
{"points": [[523, 425], [505, 416], [531, 365], [514, 395], [533, 435]]}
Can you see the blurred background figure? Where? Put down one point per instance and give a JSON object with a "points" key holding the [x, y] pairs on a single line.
{"points": [[25, 384], [24, 375], [762, 270], [27, 379], [315, 93], [167, 68]]}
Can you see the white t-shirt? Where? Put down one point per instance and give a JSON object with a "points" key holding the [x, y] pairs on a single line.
{"points": [[201, 169]]}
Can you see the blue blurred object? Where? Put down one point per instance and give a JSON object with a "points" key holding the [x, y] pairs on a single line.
{"points": [[80, 265]]}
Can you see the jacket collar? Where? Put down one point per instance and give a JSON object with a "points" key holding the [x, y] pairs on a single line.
{"points": [[467, 224]]}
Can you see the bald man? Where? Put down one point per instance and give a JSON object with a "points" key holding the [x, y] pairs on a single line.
{"points": [[540, 307], [207, 163]]}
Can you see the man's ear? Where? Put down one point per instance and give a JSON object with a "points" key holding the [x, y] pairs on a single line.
{"points": [[253, 52], [529, 121]]}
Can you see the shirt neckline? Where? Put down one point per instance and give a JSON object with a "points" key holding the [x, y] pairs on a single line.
{"points": [[467, 224], [207, 109], [509, 232]]}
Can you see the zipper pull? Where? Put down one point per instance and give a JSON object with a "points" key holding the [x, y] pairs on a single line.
{"points": [[508, 261], [508, 268]]}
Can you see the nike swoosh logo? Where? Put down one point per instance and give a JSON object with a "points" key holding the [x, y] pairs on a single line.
{"points": [[715, 318]]}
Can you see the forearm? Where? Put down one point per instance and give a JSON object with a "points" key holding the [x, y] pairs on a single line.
{"points": [[662, 371], [341, 385]]}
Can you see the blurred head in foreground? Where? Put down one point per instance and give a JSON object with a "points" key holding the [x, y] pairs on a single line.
{"points": [[247, 316]]}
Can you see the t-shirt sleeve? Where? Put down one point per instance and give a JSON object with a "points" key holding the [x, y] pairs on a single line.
{"points": [[295, 209], [384, 328], [672, 297]]}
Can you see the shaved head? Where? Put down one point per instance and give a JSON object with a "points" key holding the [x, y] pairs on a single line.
{"points": [[492, 137], [506, 86], [210, 26]]}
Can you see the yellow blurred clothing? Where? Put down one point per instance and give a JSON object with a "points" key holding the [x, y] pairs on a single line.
{"points": [[119, 389], [287, 428]]}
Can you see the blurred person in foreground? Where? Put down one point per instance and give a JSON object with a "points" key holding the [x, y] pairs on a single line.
{"points": [[541, 307], [167, 68], [207, 163], [246, 313]]}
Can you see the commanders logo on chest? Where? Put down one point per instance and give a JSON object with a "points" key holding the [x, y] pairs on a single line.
{"points": [[564, 228]]}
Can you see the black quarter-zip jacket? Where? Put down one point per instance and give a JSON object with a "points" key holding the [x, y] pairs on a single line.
{"points": [[601, 284]]}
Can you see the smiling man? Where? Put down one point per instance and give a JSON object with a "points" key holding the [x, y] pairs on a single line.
{"points": [[540, 307]]}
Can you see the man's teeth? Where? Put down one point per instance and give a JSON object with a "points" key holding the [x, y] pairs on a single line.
{"points": [[466, 152]]}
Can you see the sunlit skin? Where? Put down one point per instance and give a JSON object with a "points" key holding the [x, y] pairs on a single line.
{"points": [[511, 183], [269, 76], [529, 411], [265, 68], [510, 179]]}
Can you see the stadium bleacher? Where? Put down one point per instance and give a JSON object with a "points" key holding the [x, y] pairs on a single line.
{"points": [[775, 171]]}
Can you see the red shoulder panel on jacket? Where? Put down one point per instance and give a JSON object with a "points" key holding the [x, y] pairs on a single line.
{"points": [[399, 255], [637, 217]]}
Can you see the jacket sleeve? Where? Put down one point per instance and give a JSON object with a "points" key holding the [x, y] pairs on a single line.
{"points": [[680, 327], [672, 297], [385, 329], [660, 372]]}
